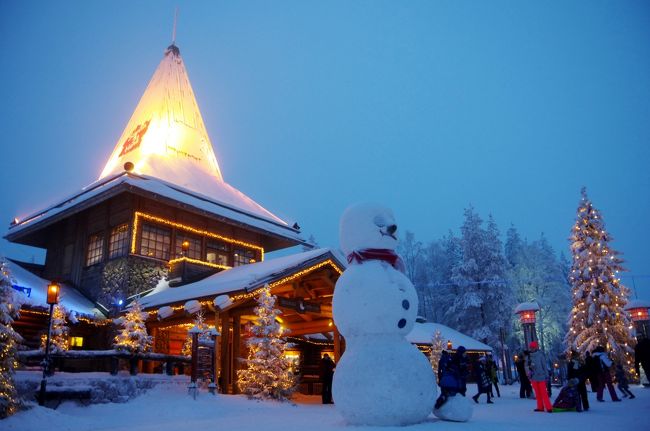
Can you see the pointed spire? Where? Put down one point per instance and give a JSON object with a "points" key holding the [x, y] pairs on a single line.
{"points": [[166, 137]]}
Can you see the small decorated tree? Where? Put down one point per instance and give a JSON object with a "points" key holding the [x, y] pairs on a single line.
{"points": [[199, 322], [597, 317], [268, 373], [133, 335], [437, 346], [9, 338], [59, 341]]}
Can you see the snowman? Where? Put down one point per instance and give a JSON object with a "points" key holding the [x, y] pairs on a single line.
{"points": [[381, 379]]}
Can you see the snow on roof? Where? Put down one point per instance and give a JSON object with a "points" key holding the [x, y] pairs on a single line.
{"points": [[69, 297], [526, 306], [636, 303], [245, 277], [247, 212], [422, 333], [166, 137]]}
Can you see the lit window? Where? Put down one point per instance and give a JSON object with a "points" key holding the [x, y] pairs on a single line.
{"points": [[194, 246], [155, 241], [118, 244], [217, 252], [95, 249], [243, 257], [76, 342]]}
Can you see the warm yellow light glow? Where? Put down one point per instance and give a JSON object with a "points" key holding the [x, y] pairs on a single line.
{"points": [[76, 342], [198, 262], [148, 217]]}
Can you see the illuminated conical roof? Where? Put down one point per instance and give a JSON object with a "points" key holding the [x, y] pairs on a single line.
{"points": [[166, 138]]}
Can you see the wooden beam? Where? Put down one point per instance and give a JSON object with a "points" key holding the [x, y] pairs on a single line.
{"points": [[225, 351], [236, 337]]}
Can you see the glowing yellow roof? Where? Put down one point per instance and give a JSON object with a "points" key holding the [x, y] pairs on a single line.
{"points": [[166, 137]]}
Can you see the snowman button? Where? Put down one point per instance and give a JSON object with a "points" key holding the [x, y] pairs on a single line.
{"points": [[405, 304], [401, 323]]}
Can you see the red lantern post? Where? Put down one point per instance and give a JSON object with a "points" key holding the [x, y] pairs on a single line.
{"points": [[638, 309], [527, 317]]}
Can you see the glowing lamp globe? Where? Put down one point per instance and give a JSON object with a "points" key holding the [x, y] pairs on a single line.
{"points": [[53, 290], [526, 312]]}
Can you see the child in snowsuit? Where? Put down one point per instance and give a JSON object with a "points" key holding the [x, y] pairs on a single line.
{"points": [[568, 400], [623, 384]]}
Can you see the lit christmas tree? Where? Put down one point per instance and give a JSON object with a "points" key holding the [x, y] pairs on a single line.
{"points": [[199, 322], [268, 374], [133, 336], [597, 317], [437, 346], [59, 341], [9, 338]]}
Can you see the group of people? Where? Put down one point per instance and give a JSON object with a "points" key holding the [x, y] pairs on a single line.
{"points": [[533, 369], [453, 371]]}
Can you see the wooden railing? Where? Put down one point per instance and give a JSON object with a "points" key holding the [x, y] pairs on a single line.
{"points": [[115, 357]]}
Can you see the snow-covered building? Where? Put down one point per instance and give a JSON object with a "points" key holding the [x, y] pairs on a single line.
{"points": [[161, 224]]}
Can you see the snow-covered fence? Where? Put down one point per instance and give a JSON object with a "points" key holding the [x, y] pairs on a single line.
{"points": [[35, 356]]}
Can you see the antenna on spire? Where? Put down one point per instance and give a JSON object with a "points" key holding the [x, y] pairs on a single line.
{"points": [[174, 28]]}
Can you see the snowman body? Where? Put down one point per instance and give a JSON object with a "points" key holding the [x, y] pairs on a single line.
{"points": [[381, 379]]}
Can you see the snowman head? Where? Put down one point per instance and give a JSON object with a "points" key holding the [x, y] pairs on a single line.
{"points": [[367, 225]]}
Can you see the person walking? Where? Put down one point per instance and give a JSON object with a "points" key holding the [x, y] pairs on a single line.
{"points": [[525, 388], [576, 369], [605, 374], [493, 374], [326, 374], [623, 383], [482, 380], [538, 371]]}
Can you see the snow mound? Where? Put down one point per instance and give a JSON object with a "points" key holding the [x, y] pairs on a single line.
{"points": [[456, 409]]}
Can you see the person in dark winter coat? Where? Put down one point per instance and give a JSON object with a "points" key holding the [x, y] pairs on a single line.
{"points": [[642, 356], [576, 369], [326, 374], [568, 399], [482, 380], [592, 370], [525, 388], [443, 363], [623, 383], [605, 375], [452, 376], [538, 372], [493, 374]]}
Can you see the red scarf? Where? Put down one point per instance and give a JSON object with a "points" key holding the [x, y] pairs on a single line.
{"points": [[385, 254]]}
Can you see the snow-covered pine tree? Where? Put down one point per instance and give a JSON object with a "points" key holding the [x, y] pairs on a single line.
{"points": [[268, 373], [483, 304], [597, 317], [59, 341], [437, 346], [199, 322], [9, 338], [133, 336]]}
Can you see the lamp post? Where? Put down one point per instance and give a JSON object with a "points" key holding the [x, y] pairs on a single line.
{"points": [[638, 309], [449, 345], [526, 312], [52, 299], [185, 247]]}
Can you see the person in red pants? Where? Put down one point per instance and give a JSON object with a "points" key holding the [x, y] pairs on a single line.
{"points": [[538, 371]]}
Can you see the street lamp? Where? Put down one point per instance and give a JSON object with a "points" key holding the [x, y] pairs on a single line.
{"points": [[526, 312], [638, 309], [449, 345], [53, 290]]}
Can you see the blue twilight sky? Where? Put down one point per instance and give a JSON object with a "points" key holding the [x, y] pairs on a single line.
{"points": [[427, 106]]}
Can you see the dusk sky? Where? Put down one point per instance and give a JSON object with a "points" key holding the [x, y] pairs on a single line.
{"points": [[426, 106]]}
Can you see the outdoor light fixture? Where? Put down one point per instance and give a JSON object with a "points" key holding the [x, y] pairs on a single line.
{"points": [[449, 345], [53, 290]]}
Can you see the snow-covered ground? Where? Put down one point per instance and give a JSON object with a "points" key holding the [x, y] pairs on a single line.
{"points": [[169, 408]]}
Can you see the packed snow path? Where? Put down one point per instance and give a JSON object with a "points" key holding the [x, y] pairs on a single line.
{"points": [[169, 408]]}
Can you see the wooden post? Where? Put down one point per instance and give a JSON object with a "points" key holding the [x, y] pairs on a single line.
{"points": [[217, 351], [236, 337], [225, 353]]}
